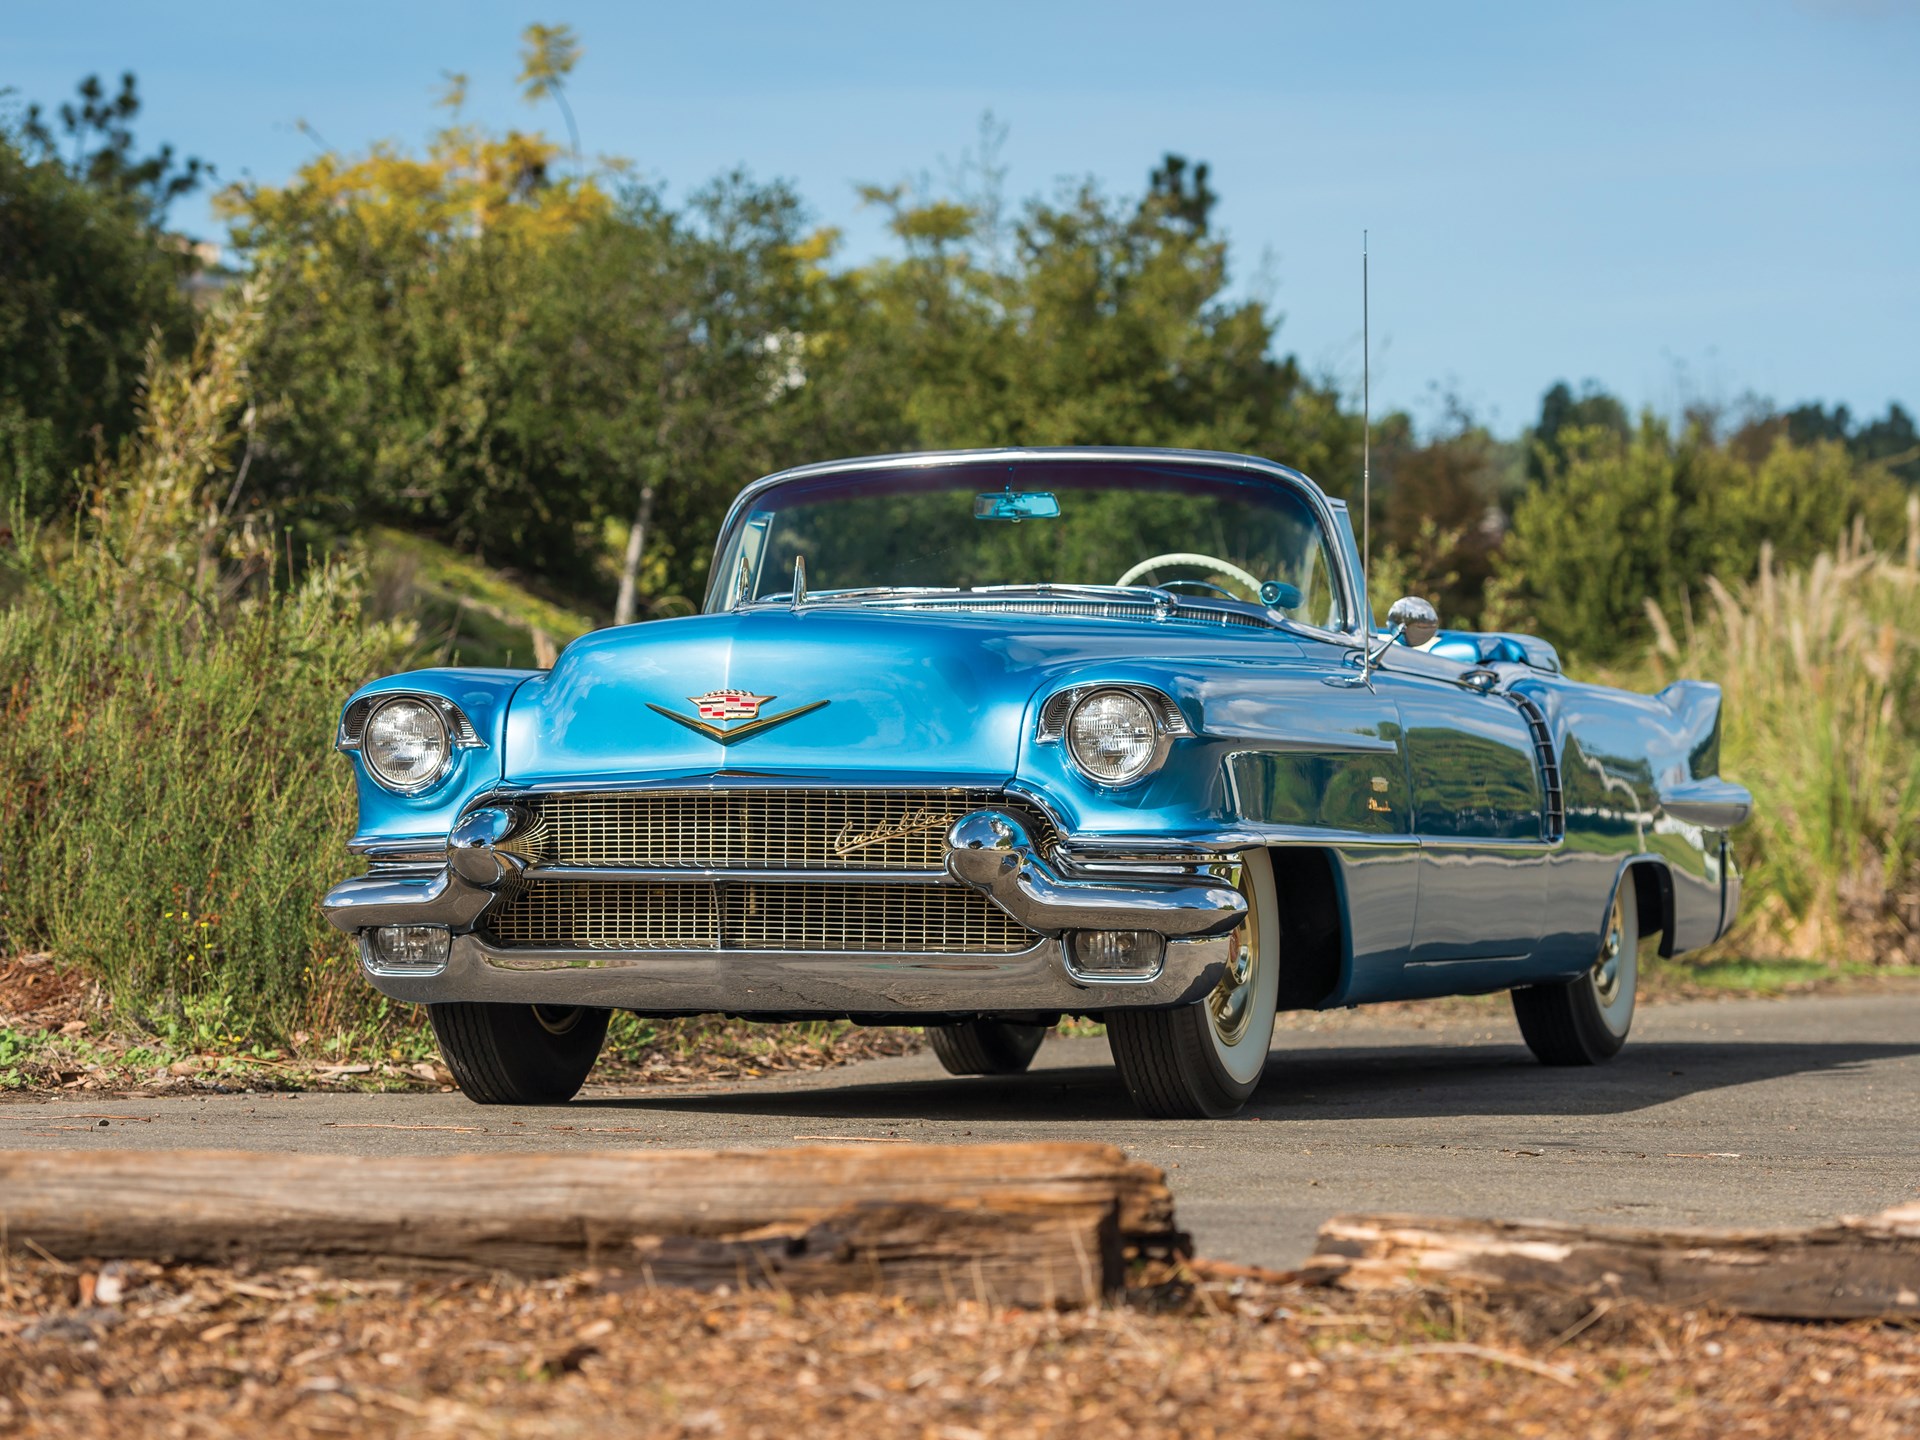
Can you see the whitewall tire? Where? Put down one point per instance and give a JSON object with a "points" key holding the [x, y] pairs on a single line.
{"points": [[1585, 1021], [1204, 1061]]}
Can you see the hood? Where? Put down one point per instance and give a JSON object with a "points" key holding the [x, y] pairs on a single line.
{"points": [[918, 698]]}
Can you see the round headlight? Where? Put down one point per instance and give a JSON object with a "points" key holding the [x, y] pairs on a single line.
{"points": [[1112, 738], [406, 744]]}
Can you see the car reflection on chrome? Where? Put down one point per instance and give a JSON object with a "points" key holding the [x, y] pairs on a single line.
{"points": [[975, 741]]}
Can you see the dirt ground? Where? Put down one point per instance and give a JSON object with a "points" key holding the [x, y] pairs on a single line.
{"points": [[59, 1032], [135, 1350]]}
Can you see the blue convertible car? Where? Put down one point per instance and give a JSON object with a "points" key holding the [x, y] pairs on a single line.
{"points": [[977, 740]]}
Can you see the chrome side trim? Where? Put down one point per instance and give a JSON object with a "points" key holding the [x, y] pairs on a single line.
{"points": [[417, 869], [1553, 817], [990, 851], [1467, 960], [401, 847]]}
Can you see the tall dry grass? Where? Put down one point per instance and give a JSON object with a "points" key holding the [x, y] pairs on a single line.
{"points": [[1821, 670]]}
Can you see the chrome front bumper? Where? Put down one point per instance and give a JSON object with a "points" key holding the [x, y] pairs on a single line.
{"points": [[764, 983], [991, 851], [988, 850]]}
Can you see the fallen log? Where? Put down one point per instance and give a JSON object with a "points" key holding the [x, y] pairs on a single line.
{"points": [[1034, 1224], [1853, 1269]]}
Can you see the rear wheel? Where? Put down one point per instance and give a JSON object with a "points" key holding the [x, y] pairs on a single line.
{"points": [[1204, 1060], [1585, 1021], [518, 1054], [985, 1047]]}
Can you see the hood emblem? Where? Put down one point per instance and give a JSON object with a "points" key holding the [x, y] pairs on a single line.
{"points": [[728, 704], [737, 711]]}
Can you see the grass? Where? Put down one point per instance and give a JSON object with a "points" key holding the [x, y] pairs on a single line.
{"points": [[1820, 668], [1747, 975], [468, 612]]}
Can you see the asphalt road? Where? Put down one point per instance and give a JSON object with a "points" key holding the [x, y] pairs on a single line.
{"points": [[1720, 1112]]}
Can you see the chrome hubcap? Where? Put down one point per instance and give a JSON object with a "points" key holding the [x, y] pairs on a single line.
{"points": [[1231, 1004], [1606, 970], [556, 1019]]}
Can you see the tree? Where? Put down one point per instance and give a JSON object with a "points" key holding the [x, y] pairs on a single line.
{"points": [[394, 343], [548, 54], [1624, 523], [91, 282], [1893, 441], [1561, 411], [1438, 514], [667, 341], [465, 341], [99, 134], [1107, 323], [1890, 441]]}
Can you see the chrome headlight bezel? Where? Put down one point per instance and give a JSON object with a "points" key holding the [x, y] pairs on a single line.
{"points": [[457, 734], [440, 766], [1058, 713]]}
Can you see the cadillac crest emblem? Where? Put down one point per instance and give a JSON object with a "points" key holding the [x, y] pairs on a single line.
{"points": [[729, 715], [728, 704]]}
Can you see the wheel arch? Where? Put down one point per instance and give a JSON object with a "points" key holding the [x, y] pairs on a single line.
{"points": [[1653, 896], [1312, 925]]}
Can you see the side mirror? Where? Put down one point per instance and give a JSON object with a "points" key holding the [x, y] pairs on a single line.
{"points": [[1417, 621]]}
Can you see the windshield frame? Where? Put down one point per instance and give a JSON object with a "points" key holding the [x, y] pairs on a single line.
{"points": [[1355, 619]]}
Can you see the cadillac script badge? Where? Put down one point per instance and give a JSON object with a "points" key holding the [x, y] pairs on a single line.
{"points": [[736, 711]]}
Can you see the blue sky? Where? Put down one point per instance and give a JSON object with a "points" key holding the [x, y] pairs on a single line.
{"points": [[1686, 201]]}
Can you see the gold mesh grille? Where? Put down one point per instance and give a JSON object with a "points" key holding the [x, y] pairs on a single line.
{"points": [[758, 829], [753, 915]]}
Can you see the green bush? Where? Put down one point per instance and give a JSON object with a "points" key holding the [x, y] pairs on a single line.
{"points": [[170, 804]]}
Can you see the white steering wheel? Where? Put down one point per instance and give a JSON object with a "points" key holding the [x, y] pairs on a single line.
{"points": [[1185, 557]]}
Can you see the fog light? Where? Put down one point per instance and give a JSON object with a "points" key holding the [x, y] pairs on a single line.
{"points": [[407, 947], [1115, 954]]}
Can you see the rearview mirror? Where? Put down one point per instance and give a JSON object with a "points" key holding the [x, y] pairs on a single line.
{"points": [[1008, 505], [1418, 621]]}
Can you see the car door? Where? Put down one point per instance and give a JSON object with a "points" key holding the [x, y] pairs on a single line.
{"points": [[1319, 760], [1474, 766]]}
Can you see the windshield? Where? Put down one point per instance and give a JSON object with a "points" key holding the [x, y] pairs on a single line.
{"points": [[1200, 530]]}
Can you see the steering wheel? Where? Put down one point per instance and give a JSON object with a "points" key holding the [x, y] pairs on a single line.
{"points": [[1185, 557], [1198, 585]]}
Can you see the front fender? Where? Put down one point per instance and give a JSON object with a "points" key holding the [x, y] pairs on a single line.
{"points": [[390, 822]]}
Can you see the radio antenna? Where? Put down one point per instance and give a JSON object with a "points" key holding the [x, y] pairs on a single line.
{"points": [[1366, 428]]}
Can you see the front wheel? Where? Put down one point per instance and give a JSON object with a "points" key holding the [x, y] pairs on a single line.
{"points": [[1585, 1021], [985, 1047], [1203, 1061], [518, 1054]]}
